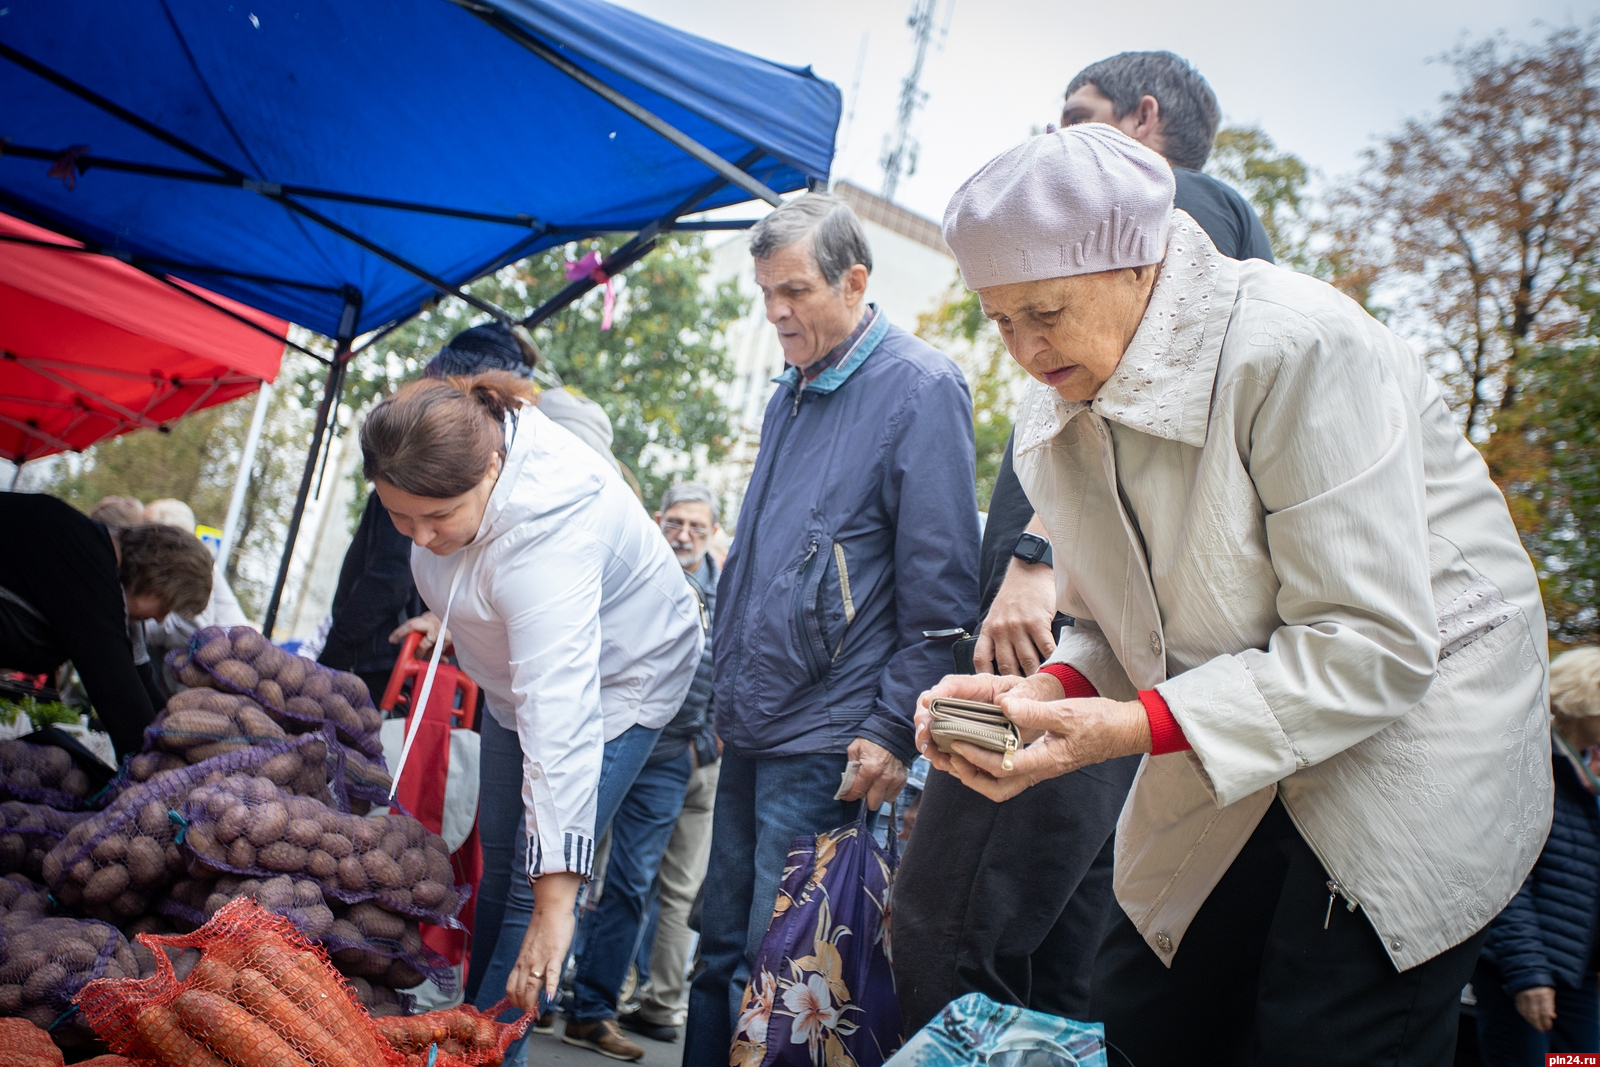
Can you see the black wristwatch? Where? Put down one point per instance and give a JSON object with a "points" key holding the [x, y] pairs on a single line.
{"points": [[1031, 548]]}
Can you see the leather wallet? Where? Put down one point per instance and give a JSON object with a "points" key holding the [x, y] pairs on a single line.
{"points": [[982, 725]]}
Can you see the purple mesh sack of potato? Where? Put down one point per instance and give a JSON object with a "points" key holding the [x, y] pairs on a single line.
{"points": [[115, 863], [42, 774], [364, 940], [245, 825], [297, 692], [28, 831], [20, 895], [45, 961]]}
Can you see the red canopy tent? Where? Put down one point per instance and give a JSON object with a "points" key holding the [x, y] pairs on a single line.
{"points": [[91, 347]]}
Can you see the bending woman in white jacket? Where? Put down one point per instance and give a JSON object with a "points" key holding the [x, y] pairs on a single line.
{"points": [[564, 604]]}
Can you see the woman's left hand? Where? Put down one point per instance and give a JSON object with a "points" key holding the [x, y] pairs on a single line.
{"points": [[545, 945], [1076, 733]]}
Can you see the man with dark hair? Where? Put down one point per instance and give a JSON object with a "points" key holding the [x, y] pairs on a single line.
{"points": [[858, 536], [1011, 900]]}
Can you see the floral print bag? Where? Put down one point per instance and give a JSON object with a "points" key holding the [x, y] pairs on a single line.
{"points": [[822, 994], [974, 1031]]}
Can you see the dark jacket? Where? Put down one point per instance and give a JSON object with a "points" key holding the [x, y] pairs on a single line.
{"points": [[376, 593], [63, 567], [871, 466], [1233, 227], [1546, 935], [690, 725]]}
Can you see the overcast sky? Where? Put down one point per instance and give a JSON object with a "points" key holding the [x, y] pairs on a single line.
{"points": [[1322, 77]]}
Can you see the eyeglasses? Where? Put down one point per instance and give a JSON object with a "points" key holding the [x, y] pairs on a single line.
{"points": [[696, 531]]}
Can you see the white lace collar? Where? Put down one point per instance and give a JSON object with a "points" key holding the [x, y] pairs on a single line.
{"points": [[1163, 384]]}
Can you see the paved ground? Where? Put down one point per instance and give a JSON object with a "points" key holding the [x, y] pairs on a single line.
{"points": [[548, 1050]]}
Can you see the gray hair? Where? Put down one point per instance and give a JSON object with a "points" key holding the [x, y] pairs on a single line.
{"points": [[837, 241], [692, 493]]}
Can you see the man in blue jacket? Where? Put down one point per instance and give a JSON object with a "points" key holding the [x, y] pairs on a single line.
{"points": [[858, 534]]}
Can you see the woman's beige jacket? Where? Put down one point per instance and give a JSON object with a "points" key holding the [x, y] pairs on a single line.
{"points": [[1269, 515]]}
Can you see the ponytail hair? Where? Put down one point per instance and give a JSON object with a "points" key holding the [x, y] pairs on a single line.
{"points": [[433, 438]]}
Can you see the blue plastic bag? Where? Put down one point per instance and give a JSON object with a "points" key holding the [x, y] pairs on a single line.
{"points": [[976, 1031]]}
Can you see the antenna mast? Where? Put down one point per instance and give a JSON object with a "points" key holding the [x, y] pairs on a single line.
{"points": [[900, 148]]}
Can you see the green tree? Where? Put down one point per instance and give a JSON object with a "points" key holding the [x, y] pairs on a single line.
{"points": [[656, 372], [1545, 453], [959, 327]]}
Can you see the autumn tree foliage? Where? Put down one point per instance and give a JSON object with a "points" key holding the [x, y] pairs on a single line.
{"points": [[1478, 222]]}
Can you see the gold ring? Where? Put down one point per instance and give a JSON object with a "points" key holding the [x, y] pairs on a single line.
{"points": [[537, 974]]}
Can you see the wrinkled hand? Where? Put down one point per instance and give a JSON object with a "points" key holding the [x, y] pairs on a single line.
{"points": [[984, 688], [545, 945], [1059, 735], [427, 625], [881, 776], [1538, 1006], [1015, 636]]}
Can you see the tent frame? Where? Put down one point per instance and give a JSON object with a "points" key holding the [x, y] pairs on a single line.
{"points": [[224, 174]]}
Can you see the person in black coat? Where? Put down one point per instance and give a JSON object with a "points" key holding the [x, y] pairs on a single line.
{"points": [[70, 589], [1535, 980]]}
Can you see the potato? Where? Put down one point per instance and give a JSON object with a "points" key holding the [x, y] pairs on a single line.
{"points": [[152, 819], [76, 955], [303, 832], [110, 848], [291, 674], [239, 675], [254, 722], [195, 676], [241, 854], [396, 899], [260, 790], [365, 834], [74, 783], [321, 865], [270, 692], [43, 981], [188, 700], [106, 884], [147, 861], [382, 871], [352, 874], [281, 856], [335, 844], [201, 753], [274, 894], [338, 710], [314, 922], [393, 843], [374, 921], [247, 641], [232, 823], [316, 686], [209, 854], [173, 859], [371, 718], [267, 823], [10, 999], [401, 975], [216, 649], [304, 708], [184, 728], [414, 865]]}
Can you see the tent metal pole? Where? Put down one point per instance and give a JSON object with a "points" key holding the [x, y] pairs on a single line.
{"points": [[721, 166], [330, 391], [241, 481]]}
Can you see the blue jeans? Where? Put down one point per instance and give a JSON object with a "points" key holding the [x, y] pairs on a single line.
{"points": [[762, 806], [639, 835], [1506, 1040], [505, 899]]}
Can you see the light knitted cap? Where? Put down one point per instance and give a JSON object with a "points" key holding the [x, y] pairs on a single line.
{"points": [[1084, 199]]}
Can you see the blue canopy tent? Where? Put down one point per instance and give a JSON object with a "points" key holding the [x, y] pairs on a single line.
{"points": [[341, 164]]}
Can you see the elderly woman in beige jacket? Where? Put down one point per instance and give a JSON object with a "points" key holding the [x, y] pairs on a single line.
{"points": [[1295, 587]]}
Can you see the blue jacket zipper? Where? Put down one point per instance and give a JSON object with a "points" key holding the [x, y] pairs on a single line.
{"points": [[755, 524], [800, 613]]}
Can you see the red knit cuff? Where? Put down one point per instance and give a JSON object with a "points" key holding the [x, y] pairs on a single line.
{"points": [[1165, 733], [1075, 684]]}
